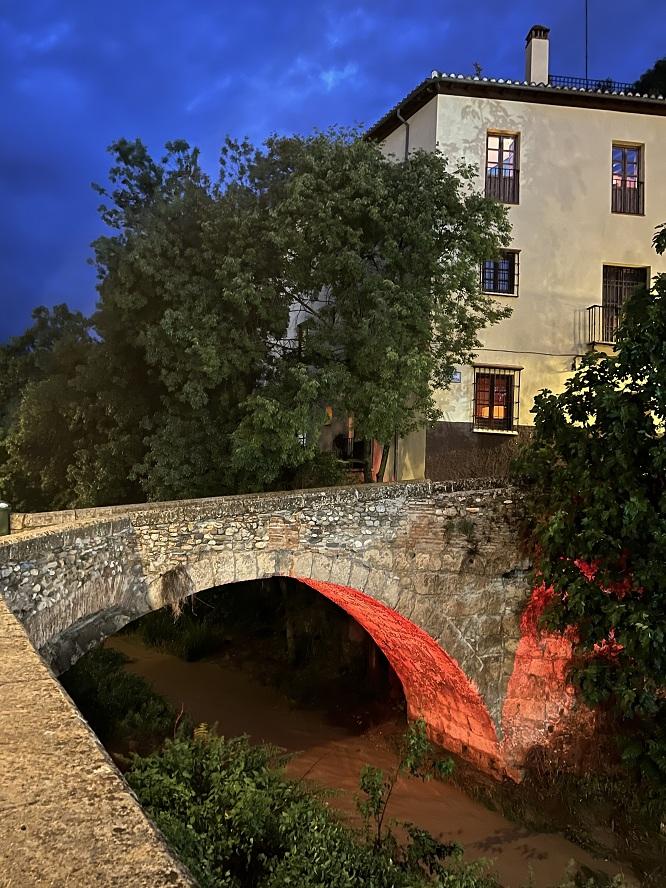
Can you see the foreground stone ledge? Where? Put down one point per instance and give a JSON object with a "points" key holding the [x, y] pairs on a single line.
{"points": [[67, 817]]}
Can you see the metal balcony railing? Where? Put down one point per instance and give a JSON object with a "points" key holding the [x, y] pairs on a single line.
{"points": [[503, 184], [627, 197], [603, 83], [602, 324]]}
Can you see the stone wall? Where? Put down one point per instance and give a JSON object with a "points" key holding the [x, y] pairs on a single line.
{"points": [[454, 451], [444, 556], [68, 817]]}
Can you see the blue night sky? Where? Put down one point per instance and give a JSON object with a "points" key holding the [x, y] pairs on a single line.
{"points": [[76, 75]]}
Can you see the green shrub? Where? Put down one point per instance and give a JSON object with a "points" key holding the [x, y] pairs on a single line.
{"points": [[118, 706], [186, 636], [235, 821]]}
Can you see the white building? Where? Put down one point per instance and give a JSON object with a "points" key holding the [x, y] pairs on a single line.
{"points": [[582, 167]]}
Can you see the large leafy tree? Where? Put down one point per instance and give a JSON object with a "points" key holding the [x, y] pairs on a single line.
{"points": [[382, 259], [185, 385], [37, 401], [187, 313], [595, 476]]}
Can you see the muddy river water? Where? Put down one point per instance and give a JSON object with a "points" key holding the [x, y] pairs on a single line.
{"points": [[216, 692]]}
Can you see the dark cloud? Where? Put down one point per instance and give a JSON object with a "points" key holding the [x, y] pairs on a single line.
{"points": [[76, 74]]}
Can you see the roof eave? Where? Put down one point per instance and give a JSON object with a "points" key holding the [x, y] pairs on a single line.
{"points": [[517, 92]]}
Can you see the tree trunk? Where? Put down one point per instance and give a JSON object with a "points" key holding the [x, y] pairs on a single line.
{"points": [[367, 462], [382, 465]]}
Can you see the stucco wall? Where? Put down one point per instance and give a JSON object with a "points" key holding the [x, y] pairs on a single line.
{"points": [[563, 227], [422, 132]]}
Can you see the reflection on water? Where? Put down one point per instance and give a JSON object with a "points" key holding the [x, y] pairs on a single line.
{"points": [[215, 691]]}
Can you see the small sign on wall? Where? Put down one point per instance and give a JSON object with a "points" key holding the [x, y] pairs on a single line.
{"points": [[456, 376]]}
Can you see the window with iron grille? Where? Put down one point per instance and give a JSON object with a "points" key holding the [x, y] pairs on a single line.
{"points": [[502, 176], [501, 275], [496, 399], [627, 180], [619, 283]]}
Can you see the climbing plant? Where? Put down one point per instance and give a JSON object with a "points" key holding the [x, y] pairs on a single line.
{"points": [[595, 481]]}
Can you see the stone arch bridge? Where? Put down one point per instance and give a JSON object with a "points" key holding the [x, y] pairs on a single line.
{"points": [[432, 571]]}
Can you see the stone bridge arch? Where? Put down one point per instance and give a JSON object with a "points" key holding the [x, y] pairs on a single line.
{"points": [[440, 562], [436, 689]]}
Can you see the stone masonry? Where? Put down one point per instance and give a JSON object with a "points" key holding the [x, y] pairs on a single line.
{"points": [[444, 556], [432, 571]]}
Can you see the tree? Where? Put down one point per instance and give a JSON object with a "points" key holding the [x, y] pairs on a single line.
{"points": [[653, 81], [187, 313], [382, 256], [184, 384], [37, 370], [596, 515]]}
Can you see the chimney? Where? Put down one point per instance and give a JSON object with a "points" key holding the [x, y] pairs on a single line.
{"points": [[536, 54]]}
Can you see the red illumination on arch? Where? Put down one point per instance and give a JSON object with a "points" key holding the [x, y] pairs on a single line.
{"points": [[540, 705], [436, 689]]}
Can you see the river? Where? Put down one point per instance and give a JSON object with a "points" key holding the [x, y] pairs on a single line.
{"points": [[215, 691]]}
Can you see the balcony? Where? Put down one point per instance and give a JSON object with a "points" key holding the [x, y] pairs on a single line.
{"points": [[602, 324], [503, 184], [627, 197]]}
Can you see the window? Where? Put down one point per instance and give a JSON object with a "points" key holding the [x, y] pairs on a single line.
{"points": [[627, 180], [618, 285], [502, 168], [501, 275], [496, 399]]}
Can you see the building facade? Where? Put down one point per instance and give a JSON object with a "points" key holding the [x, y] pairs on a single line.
{"points": [[581, 166]]}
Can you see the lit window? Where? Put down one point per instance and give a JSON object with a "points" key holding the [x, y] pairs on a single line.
{"points": [[496, 399], [502, 179], [627, 180], [501, 275]]}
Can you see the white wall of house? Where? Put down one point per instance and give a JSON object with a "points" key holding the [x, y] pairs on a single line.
{"points": [[563, 227]]}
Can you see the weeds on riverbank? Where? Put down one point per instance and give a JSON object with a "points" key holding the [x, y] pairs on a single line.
{"points": [[121, 708], [609, 814], [235, 820], [189, 636]]}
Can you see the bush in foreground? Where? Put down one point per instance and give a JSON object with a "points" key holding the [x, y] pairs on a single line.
{"points": [[235, 820]]}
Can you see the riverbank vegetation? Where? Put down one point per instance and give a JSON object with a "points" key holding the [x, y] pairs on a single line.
{"points": [[235, 819], [121, 708]]}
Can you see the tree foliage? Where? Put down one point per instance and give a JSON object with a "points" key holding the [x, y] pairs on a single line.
{"points": [[595, 475], [38, 412], [182, 384], [383, 260], [236, 822], [187, 313], [653, 81]]}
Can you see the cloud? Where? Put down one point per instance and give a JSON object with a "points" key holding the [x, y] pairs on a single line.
{"points": [[347, 27], [41, 41], [333, 77], [206, 96]]}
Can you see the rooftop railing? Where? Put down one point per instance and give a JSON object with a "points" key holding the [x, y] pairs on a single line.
{"points": [[603, 83]]}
